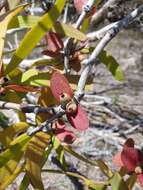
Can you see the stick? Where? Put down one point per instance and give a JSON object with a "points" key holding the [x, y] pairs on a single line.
{"points": [[69, 41], [101, 45]]}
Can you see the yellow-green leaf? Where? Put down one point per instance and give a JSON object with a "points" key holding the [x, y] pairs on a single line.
{"points": [[7, 135], [25, 182], [131, 181], [60, 151], [9, 172], [41, 79], [34, 158], [9, 160], [4, 25], [35, 34], [94, 186], [3, 28], [112, 65], [61, 28], [18, 145], [85, 24], [104, 168], [79, 156], [118, 183], [45, 100], [68, 30]]}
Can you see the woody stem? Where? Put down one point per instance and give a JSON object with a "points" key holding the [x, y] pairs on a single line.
{"points": [[101, 45]]}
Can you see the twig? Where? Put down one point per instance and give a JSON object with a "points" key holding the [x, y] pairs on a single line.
{"points": [[106, 39], [44, 126], [59, 112], [68, 44], [105, 99], [25, 108], [131, 130], [100, 33], [66, 13], [102, 12], [7, 105]]}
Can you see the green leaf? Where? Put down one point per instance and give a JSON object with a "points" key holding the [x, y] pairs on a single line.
{"points": [[118, 183], [61, 28], [7, 135], [35, 34], [9, 160], [3, 28], [42, 79], [59, 150], [73, 174], [25, 183], [35, 78], [89, 183], [112, 65], [85, 24], [78, 156], [16, 146], [9, 173], [4, 25], [34, 158], [93, 186], [131, 181], [23, 21], [104, 168], [68, 30], [45, 62], [97, 2]]}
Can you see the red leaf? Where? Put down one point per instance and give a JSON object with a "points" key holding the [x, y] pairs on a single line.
{"points": [[55, 44], [79, 120], [59, 124], [50, 53], [129, 143], [117, 160], [59, 85], [63, 134], [131, 158], [21, 88], [140, 179]]}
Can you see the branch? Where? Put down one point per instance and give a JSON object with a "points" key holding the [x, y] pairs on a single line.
{"points": [[69, 41], [101, 45], [8, 105], [102, 12], [59, 112], [45, 126], [100, 33], [25, 108]]}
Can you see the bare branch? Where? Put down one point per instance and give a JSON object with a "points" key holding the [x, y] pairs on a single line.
{"points": [[102, 12], [69, 41], [25, 108], [45, 126], [9, 105], [100, 33], [105, 40]]}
